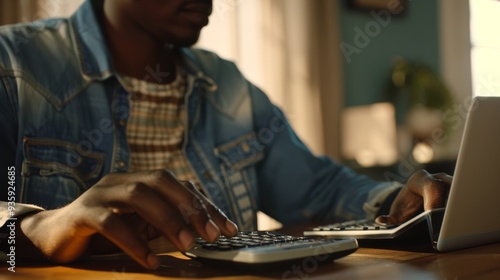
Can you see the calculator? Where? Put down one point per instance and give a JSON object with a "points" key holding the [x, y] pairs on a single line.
{"points": [[269, 247]]}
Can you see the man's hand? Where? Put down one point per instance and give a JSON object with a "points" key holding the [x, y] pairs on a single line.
{"points": [[127, 209], [422, 191]]}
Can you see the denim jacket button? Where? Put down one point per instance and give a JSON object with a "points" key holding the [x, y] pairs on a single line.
{"points": [[121, 122], [122, 164], [245, 147]]}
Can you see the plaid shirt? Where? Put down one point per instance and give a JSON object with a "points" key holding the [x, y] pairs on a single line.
{"points": [[156, 126]]}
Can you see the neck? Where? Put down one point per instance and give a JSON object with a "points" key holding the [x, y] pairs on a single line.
{"points": [[135, 53]]}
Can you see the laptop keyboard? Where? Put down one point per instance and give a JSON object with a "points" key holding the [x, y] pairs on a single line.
{"points": [[362, 224]]}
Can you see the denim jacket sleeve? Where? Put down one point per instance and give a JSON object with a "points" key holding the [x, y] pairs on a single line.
{"points": [[295, 185], [8, 140], [9, 208]]}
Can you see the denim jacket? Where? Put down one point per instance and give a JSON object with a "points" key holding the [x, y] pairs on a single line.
{"points": [[63, 118]]}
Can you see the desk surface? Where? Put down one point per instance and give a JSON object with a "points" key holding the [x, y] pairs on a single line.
{"points": [[366, 263]]}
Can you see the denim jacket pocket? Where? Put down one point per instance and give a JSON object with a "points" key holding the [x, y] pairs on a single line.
{"points": [[241, 152], [237, 160], [55, 172]]}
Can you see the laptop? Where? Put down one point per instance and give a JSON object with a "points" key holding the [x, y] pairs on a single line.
{"points": [[470, 216]]}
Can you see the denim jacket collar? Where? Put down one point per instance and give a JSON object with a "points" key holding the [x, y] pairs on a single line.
{"points": [[95, 61]]}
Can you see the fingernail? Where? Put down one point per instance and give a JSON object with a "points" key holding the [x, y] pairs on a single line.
{"points": [[231, 227], [212, 230], [381, 219], [187, 239], [153, 261]]}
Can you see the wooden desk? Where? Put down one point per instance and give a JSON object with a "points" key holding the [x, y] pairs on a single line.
{"points": [[366, 263]]}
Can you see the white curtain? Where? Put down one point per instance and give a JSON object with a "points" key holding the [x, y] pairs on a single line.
{"points": [[13, 11]]}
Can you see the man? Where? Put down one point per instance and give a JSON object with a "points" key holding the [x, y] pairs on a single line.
{"points": [[95, 109]]}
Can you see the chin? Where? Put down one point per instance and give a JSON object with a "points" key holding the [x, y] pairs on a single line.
{"points": [[185, 40]]}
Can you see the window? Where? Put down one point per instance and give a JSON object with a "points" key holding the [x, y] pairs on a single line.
{"points": [[485, 46]]}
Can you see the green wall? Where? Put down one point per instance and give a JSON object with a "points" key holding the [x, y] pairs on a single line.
{"points": [[412, 35]]}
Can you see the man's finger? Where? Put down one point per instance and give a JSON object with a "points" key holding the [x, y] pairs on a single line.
{"points": [[435, 192], [111, 226], [149, 205], [226, 226], [444, 177], [187, 205]]}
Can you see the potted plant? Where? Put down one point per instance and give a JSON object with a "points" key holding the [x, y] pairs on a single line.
{"points": [[420, 98]]}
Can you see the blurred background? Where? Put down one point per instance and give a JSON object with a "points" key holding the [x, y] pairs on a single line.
{"points": [[380, 85]]}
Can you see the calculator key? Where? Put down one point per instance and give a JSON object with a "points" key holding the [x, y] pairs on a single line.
{"points": [[238, 245], [210, 246]]}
